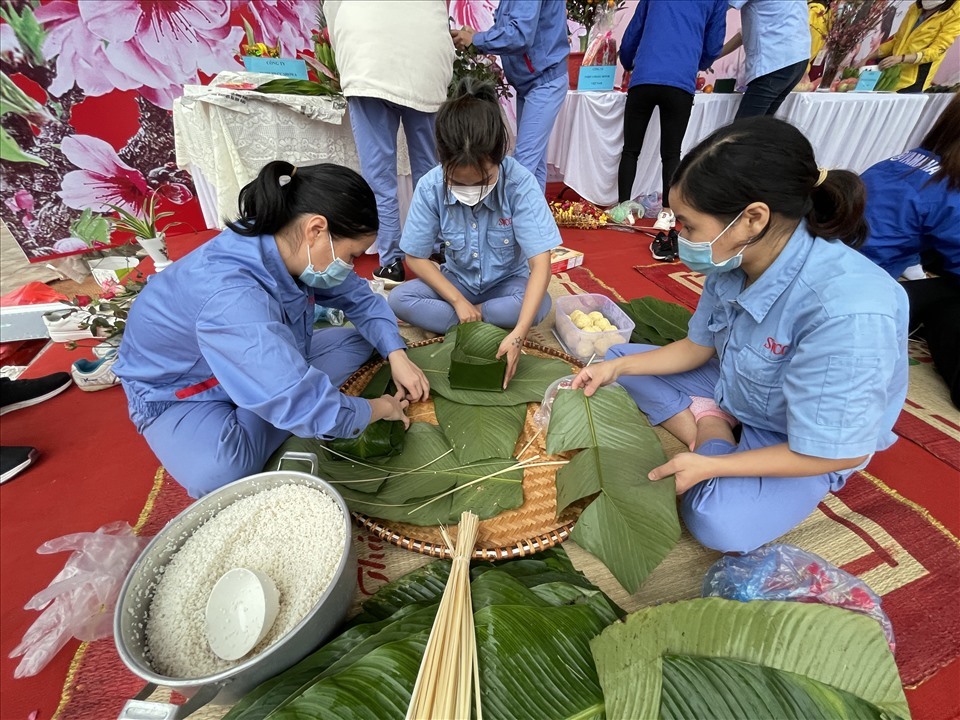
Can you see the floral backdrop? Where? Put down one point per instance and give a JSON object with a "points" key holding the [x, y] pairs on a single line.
{"points": [[87, 91]]}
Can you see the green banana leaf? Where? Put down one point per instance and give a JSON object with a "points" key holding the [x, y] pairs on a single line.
{"points": [[631, 524], [473, 362], [292, 86], [610, 418], [826, 653], [888, 79], [478, 433], [774, 693], [657, 322], [383, 438], [550, 623], [532, 378]]}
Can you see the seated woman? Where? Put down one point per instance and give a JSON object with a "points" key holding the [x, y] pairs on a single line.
{"points": [[798, 339], [913, 210], [219, 358], [494, 225]]}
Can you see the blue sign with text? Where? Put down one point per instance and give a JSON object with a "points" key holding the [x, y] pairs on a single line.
{"points": [[597, 77], [288, 67]]}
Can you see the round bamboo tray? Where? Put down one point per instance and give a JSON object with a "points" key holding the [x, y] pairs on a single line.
{"points": [[528, 529]]}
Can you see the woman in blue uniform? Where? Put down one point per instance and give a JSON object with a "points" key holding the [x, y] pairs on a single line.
{"points": [[493, 221], [798, 340], [219, 358]]}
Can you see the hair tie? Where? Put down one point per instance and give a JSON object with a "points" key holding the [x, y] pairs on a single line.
{"points": [[293, 170], [285, 179], [823, 176]]}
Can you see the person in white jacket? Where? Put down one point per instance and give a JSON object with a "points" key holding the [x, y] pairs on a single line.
{"points": [[386, 82]]}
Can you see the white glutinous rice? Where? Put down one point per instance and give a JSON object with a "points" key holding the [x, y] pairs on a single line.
{"points": [[293, 533]]}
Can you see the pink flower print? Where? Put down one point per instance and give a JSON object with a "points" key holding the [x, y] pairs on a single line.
{"points": [[175, 193], [80, 54], [477, 14], [102, 178], [21, 200], [154, 46], [289, 22]]}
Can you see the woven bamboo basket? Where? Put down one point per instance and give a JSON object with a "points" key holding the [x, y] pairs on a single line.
{"points": [[528, 529]]}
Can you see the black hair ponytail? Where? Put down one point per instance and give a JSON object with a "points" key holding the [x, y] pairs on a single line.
{"points": [[767, 160], [470, 127], [282, 191]]}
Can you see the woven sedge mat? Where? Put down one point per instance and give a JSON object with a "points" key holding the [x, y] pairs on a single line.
{"points": [[532, 527]]}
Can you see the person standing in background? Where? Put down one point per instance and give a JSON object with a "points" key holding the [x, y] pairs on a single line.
{"points": [[385, 84], [530, 36], [926, 32], [776, 42], [664, 72]]}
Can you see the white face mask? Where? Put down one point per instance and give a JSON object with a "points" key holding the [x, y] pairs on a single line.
{"points": [[931, 4], [472, 195]]}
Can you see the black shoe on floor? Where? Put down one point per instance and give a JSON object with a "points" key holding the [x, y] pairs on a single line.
{"points": [[391, 274], [14, 459], [18, 394], [661, 249], [673, 239]]}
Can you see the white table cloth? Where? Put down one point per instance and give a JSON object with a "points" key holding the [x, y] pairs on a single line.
{"points": [[847, 130], [936, 104], [224, 137]]}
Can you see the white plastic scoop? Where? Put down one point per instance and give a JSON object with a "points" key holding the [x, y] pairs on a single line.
{"points": [[242, 608]]}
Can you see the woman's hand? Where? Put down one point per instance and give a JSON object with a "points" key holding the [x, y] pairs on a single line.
{"points": [[409, 379], [390, 407], [511, 348], [689, 469], [592, 377], [467, 311], [463, 38], [890, 61]]}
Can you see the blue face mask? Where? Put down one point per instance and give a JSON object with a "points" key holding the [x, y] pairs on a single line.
{"points": [[698, 256], [334, 274]]}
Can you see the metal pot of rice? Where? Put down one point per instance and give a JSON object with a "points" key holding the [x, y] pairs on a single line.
{"points": [[292, 526]]}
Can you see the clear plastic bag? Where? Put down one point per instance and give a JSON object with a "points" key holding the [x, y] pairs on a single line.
{"points": [[602, 45], [785, 572], [80, 600], [652, 204], [332, 316], [542, 416]]}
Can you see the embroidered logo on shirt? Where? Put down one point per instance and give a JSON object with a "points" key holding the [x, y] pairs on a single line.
{"points": [[775, 347], [505, 222]]}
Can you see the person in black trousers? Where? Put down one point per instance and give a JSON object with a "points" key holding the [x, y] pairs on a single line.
{"points": [[664, 46]]}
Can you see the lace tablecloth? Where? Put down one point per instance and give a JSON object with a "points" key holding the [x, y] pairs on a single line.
{"points": [[847, 130], [224, 136]]}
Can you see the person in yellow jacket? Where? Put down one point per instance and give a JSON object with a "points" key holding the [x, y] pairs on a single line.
{"points": [[927, 30], [820, 21]]}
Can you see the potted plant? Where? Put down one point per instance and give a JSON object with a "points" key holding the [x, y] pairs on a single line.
{"points": [[586, 13], [145, 228], [850, 22]]}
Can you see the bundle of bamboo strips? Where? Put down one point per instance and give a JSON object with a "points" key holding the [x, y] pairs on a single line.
{"points": [[449, 673]]}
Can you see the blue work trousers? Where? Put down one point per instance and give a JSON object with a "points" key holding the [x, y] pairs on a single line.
{"points": [[537, 110], [418, 304], [206, 444], [375, 123], [729, 514]]}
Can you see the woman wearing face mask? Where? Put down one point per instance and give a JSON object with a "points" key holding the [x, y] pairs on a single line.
{"points": [[798, 340], [493, 222], [219, 358], [926, 32]]}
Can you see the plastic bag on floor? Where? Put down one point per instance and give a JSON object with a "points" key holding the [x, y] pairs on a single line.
{"points": [[80, 600], [785, 572]]}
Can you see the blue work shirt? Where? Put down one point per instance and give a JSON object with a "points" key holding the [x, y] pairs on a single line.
{"points": [[486, 244], [667, 41], [776, 34], [814, 349], [908, 212], [228, 322], [530, 36]]}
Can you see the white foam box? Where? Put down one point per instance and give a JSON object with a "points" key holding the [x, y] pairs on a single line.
{"points": [[562, 259], [25, 322], [584, 345]]}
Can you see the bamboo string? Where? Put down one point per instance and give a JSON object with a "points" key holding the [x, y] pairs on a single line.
{"points": [[443, 687]]}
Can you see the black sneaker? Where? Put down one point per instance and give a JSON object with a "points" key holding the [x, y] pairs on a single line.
{"points": [[673, 239], [18, 394], [391, 274], [13, 460], [661, 249]]}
